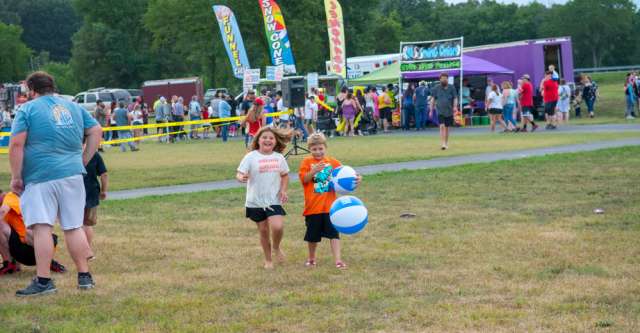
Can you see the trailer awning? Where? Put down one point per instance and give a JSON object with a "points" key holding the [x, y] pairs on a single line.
{"points": [[470, 66]]}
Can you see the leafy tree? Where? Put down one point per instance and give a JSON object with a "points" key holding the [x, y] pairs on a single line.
{"points": [[48, 26], [14, 54], [66, 81]]}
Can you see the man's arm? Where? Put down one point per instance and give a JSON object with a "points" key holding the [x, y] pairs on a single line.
{"points": [[16, 159], [94, 135]]}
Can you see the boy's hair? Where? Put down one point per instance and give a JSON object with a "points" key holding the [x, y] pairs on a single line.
{"points": [[316, 139], [282, 138]]}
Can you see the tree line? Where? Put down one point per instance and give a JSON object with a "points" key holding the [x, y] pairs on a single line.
{"points": [[121, 43]]}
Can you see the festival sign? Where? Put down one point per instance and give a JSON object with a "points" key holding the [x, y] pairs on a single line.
{"points": [[250, 79], [335, 27], [232, 40], [431, 55], [277, 36]]}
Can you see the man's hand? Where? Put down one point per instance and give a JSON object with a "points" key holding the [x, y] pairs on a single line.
{"points": [[103, 195], [17, 186]]}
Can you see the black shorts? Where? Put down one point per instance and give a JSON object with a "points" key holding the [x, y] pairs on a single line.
{"points": [[24, 253], [319, 226], [550, 108], [386, 113], [495, 112], [446, 121], [261, 214]]}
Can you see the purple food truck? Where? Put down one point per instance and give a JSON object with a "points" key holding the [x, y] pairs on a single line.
{"points": [[531, 57]]}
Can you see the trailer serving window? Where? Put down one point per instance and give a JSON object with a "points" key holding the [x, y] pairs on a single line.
{"points": [[553, 56]]}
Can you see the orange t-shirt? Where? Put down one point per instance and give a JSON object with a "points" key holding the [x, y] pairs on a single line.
{"points": [[316, 203], [14, 216]]}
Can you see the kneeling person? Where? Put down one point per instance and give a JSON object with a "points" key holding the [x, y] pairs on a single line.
{"points": [[16, 242]]}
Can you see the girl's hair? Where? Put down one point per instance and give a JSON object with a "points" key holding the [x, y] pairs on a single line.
{"points": [[506, 85], [349, 95], [254, 114], [282, 138], [494, 87], [563, 82]]}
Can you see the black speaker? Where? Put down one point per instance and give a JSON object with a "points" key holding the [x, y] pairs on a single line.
{"points": [[293, 89]]}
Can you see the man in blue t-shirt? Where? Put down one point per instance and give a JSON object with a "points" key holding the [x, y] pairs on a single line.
{"points": [[47, 163]]}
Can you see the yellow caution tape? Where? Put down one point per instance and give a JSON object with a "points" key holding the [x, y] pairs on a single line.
{"points": [[218, 122]]}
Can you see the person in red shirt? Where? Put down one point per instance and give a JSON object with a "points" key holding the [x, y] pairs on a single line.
{"points": [[525, 91], [254, 119], [550, 98], [315, 171]]}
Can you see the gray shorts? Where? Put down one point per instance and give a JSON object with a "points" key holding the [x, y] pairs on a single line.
{"points": [[61, 199]]}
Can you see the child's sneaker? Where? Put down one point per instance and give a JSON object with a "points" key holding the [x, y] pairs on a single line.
{"points": [[36, 289], [57, 267]]}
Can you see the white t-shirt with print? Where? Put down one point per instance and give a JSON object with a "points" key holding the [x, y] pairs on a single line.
{"points": [[495, 100], [310, 109], [265, 172]]}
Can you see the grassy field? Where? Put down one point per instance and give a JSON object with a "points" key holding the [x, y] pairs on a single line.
{"points": [[184, 163], [504, 247]]}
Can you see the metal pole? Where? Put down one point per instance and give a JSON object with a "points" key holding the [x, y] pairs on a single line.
{"points": [[461, 78]]}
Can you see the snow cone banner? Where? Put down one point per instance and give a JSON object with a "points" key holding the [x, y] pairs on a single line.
{"points": [[232, 40], [277, 36], [335, 26]]}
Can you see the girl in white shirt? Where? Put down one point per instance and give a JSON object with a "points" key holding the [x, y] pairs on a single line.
{"points": [[266, 173], [494, 100]]}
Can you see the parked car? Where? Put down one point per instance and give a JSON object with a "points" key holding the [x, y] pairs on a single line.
{"points": [[208, 96], [88, 98], [134, 93]]}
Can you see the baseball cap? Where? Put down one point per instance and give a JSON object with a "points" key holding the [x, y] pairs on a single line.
{"points": [[526, 76], [259, 102]]}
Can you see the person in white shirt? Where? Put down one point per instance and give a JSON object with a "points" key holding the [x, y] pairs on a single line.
{"points": [[494, 107], [310, 113], [283, 118]]}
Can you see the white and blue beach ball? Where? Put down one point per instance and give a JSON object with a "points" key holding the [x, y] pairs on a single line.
{"points": [[348, 215], [343, 179]]}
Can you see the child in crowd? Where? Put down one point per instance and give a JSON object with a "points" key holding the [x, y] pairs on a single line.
{"points": [[94, 193], [315, 171], [266, 173]]}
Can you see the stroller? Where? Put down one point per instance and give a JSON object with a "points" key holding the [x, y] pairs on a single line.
{"points": [[365, 123]]}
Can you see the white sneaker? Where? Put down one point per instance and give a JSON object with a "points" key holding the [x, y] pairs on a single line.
{"points": [[631, 117]]}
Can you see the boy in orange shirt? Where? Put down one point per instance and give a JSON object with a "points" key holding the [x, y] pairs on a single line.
{"points": [[315, 172], [16, 241]]}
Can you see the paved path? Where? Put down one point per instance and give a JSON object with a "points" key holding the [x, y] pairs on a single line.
{"points": [[373, 169]]}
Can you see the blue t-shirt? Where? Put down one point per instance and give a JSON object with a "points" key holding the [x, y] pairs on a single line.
{"points": [[55, 131], [224, 109], [121, 116]]}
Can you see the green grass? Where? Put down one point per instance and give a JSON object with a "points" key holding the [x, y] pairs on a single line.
{"points": [[185, 163], [512, 246]]}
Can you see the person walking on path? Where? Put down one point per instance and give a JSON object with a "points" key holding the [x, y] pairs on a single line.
{"points": [[444, 99], [630, 96], [564, 102], [509, 103], [47, 163], [526, 103], [590, 94], [550, 98]]}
